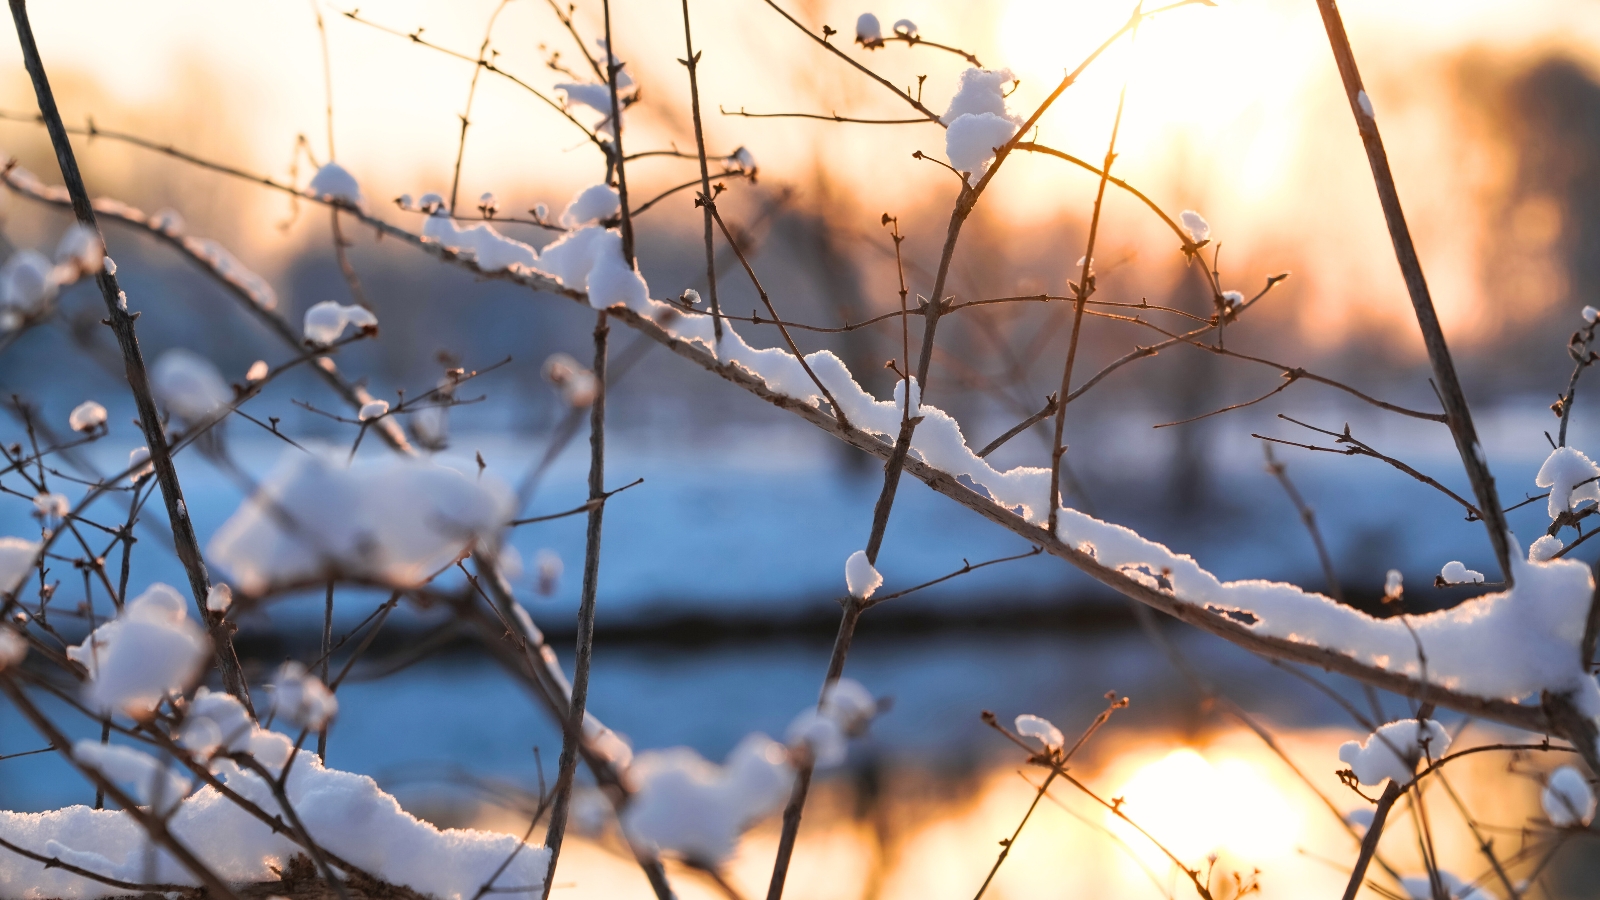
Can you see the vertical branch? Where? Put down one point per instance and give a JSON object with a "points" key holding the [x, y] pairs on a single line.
{"points": [[1369, 843], [1081, 297], [1444, 372], [327, 651], [572, 728], [121, 323], [472, 91], [692, 62], [616, 140], [1309, 517], [327, 76]]}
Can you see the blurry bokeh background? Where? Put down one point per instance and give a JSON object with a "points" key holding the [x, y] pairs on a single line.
{"points": [[716, 609]]}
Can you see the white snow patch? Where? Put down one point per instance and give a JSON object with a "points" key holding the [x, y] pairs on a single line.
{"points": [[593, 203], [189, 386], [696, 809], [87, 416], [1568, 800], [1042, 729], [1195, 224], [868, 30], [397, 521], [302, 698], [326, 322], [1568, 473], [491, 250], [1393, 750], [13, 648], [151, 649], [1456, 573], [334, 182], [1544, 549], [860, 576], [344, 812]]}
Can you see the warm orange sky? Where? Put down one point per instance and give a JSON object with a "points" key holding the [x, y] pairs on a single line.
{"points": [[1233, 110]]}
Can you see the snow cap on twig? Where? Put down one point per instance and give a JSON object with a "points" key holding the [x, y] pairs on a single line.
{"points": [[860, 576]]}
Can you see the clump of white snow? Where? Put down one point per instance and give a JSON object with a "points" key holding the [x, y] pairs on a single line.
{"points": [[1393, 750], [576, 383], [16, 562], [977, 120], [823, 731], [334, 182], [1456, 573], [1590, 314], [1041, 729], [397, 521], [27, 286], [160, 784], [168, 221], [344, 812], [81, 248], [189, 386], [13, 648], [744, 161], [693, 808], [87, 416], [1393, 585], [547, 567], [869, 33], [326, 322], [257, 371], [860, 576], [1544, 549], [151, 649], [48, 505], [1195, 224], [491, 250], [1568, 800], [905, 28], [219, 598], [373, 409], [593, 203], [1568, 473], [1420, 887], [302, 698]]}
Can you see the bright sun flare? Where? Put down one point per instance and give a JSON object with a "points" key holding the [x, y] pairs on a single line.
{"points": [[1195, 807]]}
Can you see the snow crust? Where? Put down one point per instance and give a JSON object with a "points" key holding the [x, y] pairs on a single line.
{"points": [[1393, 750], [189, 386], [326, 322], [344, 812], [860, 576], [151, 649], [1568, 800], [396, 521]]}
